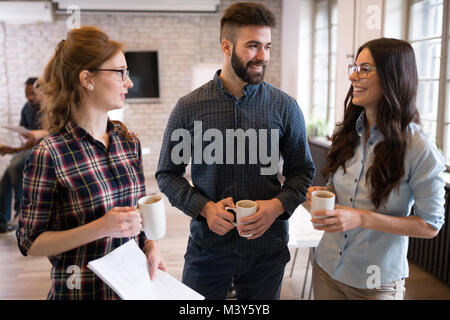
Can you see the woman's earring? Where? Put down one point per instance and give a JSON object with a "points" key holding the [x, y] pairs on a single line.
{"points": [[91, 87]]}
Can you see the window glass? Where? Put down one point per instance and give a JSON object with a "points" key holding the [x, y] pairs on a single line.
{"points": [[320, 67], [447, 124], [320, 100], [430, 128], [331, 110], [324, 63], [334, 39], [448, 85], [321, 42], [447, 118], [428, 60], [447, 110], [425, 19], [427, 99], [425, 36], [334, 13], [321, 16], [447, 134]]}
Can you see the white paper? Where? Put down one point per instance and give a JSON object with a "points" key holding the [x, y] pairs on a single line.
{"points": [[125, 270], [18, 129]]}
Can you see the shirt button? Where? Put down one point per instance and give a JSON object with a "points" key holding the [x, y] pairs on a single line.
{"points": [[351, 199], [340, 253], [356, 180], [345, 236]]}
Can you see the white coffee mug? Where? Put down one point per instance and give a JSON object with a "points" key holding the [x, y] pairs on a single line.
{"points": [[244, 208], [322, 200], [153, 216]]}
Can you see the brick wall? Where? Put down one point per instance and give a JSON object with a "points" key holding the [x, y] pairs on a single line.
{"points": [[182, 40]]}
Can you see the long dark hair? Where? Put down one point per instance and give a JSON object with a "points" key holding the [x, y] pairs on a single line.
{"points": [[396, 67]]}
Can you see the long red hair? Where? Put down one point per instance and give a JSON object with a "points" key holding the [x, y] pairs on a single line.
{"points": [[84, 48]]}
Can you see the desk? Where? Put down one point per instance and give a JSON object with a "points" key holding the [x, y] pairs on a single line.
{"points": [[301, 231], [303, 235]]}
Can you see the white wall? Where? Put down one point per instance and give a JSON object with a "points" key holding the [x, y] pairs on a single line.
{"points": [[296, 51], [394, 19], [368, 21], [345, 53], [304, 55], [290, 46], [359, 21]]}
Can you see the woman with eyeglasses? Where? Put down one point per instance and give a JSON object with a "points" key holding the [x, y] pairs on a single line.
{"points": [[380, 165], [81, 183]]}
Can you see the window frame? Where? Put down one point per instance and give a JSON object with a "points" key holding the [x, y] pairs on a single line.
{"points": [[441, 137], [331, 81]]}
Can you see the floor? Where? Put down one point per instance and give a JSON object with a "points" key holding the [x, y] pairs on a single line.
{"points": [[25, 278]]}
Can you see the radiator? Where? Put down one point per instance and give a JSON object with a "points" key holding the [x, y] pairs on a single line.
{"points": [[433, 255]]}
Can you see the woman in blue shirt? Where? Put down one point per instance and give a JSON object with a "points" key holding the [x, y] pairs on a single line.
{"points": [[380, 165]]}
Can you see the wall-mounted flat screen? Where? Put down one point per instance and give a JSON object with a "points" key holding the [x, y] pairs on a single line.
{"points": [[143, 66]]}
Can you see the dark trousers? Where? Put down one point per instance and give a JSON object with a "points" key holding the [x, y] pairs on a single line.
{"points": [[12, 181], [255, 278]]}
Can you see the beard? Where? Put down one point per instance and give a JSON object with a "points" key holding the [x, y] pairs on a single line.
{"points": [[243, 71]]}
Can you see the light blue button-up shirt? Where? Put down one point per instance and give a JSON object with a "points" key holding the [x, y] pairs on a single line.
{"points": [[349, 256]]}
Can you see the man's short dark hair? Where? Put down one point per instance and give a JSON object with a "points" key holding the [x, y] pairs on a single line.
{"points": [[30, 81], [242, 14]]}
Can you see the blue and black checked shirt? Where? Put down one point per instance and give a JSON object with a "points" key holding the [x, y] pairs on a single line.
{"points": [[261, 107], [30, 116]]}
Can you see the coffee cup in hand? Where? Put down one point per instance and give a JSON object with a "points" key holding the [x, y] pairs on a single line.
{"points": [[244, 208], [153, 216], [322, 200]]}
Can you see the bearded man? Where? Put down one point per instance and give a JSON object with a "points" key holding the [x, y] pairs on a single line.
{"points": [[254, 253]]}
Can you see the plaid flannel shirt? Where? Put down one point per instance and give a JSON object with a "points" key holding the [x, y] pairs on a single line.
{"points": [[71, 179], [262, 107]]}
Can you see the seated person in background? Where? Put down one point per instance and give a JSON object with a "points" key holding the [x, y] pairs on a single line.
{"points": [[12, 177]]}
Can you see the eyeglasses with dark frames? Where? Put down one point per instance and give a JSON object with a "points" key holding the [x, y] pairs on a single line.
{"points": [[124, 73], [362, 71]]}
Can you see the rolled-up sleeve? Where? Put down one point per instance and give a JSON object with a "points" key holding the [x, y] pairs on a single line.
{"points": [[38, 197], [427, 183]]}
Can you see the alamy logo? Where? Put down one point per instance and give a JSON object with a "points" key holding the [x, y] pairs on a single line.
{"points": [[74, 20], [74, 280], [213, 153], [374, 280], [374, 17]]}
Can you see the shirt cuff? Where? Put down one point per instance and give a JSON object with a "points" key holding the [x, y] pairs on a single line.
{"points": [[289, 204], [24, 245], [195, 205]]}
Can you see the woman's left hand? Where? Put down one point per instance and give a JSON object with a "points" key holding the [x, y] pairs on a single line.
{"points": [[338, 220], [154, 258]]}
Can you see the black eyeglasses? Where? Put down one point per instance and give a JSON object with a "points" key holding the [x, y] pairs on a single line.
{"points": [[362, 71], [124, 73]]}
